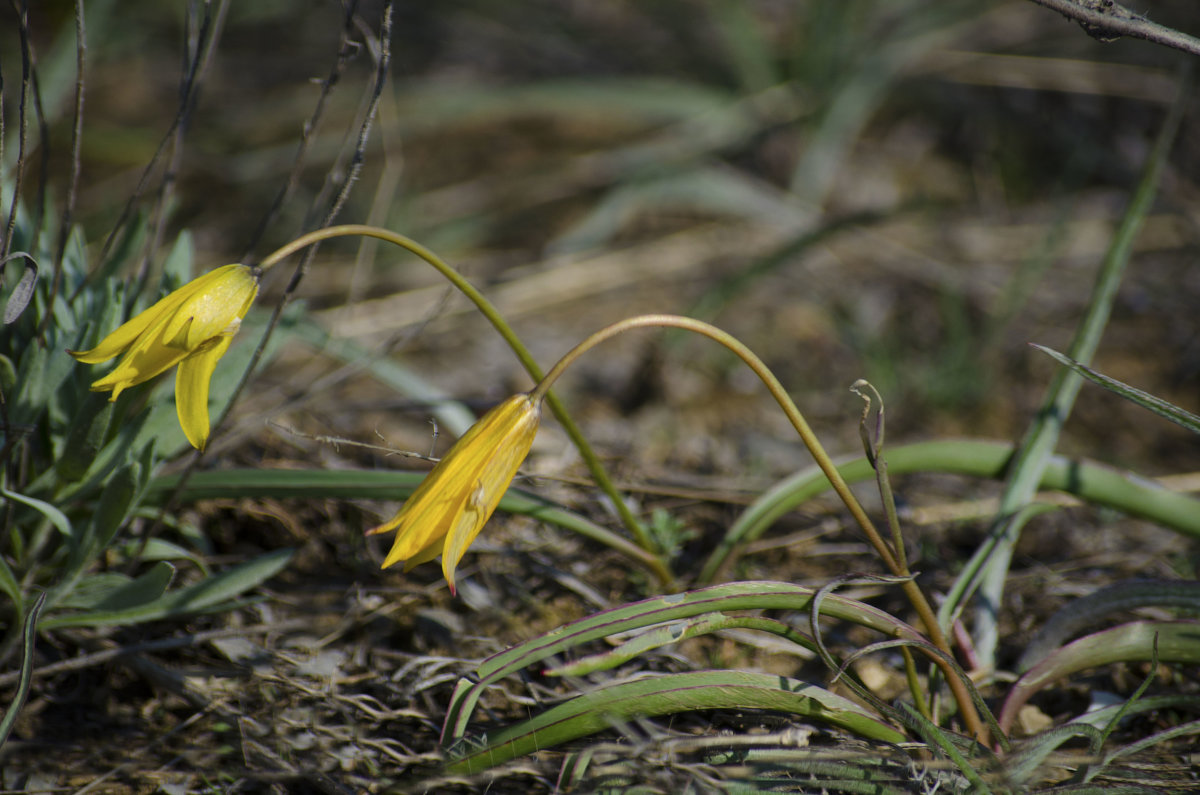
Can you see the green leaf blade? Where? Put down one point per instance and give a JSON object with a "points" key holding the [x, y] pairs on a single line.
{"points": [[211, 593], [668, 694]]}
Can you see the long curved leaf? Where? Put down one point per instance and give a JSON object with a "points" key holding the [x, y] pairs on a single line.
{"points": [[989, 566], [1088, 610], [1089, 481], [676, 631], [1176, 641], [753, 595], [667, 694]]}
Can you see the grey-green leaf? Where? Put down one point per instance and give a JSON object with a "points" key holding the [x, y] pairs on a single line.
{"points": [[55, 516], [22, 293], [210, 593], [143, 590]]}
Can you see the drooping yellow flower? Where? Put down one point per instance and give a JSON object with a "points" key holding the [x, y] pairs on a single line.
{"points": [[192, 327], [447, 511]]}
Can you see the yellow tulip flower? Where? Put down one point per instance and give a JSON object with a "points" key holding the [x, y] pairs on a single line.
{"points": [[447, 511], [191, 327]]}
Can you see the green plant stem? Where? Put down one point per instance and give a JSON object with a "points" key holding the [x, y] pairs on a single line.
{"points": [[911, 590], [979, 458], [988, 569], [913, 679], [489, 311], [873, 448]]}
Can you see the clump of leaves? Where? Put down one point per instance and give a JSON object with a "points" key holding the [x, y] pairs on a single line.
{"points": [[77, 467]]}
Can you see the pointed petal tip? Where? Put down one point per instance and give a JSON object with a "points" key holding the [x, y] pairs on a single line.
{"points": [[89, 356], [391, 560]]}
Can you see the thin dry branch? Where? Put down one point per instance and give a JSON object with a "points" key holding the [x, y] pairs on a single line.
{"points": [[1107, 20], [64, 225]]}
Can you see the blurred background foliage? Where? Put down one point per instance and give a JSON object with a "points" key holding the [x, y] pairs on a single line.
{"points": [[971, 157]]}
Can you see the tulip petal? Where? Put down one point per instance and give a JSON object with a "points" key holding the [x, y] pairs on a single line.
{"points": [[454, 501], [423, 521], [127, 333], [467, 525], [425, 555], [123, 336], [141, 364], [494, 479], [191, 390], [192, 327], [222, 297]]}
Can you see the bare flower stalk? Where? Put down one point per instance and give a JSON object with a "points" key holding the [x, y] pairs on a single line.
{"points": [[911, 590], [489, 311]]}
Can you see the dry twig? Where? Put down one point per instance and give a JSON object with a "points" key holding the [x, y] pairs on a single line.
{"points": [[1107, 20]]}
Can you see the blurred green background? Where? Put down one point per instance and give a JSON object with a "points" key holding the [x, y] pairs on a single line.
{"points": [[903, 191]]}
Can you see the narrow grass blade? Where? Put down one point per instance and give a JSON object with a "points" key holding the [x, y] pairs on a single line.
{"points": [[613, 705], [1022, 765], [1089, 481], [1183, 730], [376, 485], [712, 190], [776, 768], [29, 635], [1177, 642], [860, 85], [747, 49], [1102, 717], [429, 107], [1144, 399], [990, 565]]}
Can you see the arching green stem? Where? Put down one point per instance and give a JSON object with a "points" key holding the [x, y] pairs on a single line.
{"points": [[915, 596], [489, 311]]}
